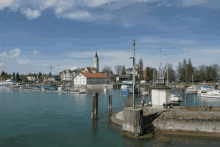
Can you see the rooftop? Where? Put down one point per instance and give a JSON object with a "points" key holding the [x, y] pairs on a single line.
{"points": [[94, 75]]}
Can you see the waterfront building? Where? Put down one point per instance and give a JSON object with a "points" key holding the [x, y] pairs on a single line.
{"points": [[90, 78], [67, 76], [120, 79], [31, 78]]}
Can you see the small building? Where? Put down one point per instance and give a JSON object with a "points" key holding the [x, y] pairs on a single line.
{"points": [[90, 78], [160, 93]]}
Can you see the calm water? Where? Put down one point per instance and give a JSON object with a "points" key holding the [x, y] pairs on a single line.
{"points": [[34, 118]]}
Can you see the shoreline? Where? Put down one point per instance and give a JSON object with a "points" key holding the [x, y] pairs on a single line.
{"points": [[182, 121]]}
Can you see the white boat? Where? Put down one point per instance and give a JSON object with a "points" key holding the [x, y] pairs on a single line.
{"points": [[145, 93], [191, 89], [211, 93], [124, 86], [175, 98], [105, 89], [6, 83]]}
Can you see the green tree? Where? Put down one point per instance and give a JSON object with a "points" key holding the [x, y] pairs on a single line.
{"points": [[13, 76], [123, 72], [190, 71], [17, 77], [171, 72], [140, 70], [49, 74]]}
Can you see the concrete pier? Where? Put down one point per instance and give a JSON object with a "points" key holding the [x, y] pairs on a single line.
{"points": [[133, 121]]}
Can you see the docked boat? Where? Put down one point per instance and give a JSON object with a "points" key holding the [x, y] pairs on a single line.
{"points": [[144, 93], [175, 98], [105, 89], [211, 93], [45, 88], [38, 88], [124, 86], [74, 90], [191, 89], [6, 83]]}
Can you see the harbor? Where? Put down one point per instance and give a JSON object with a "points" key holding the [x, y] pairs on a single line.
{"points": [[37, 116]]}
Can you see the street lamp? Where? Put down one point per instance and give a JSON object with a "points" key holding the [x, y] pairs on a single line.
{"points": [[133, 71]]}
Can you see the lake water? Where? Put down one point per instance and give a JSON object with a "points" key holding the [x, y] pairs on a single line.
{"points": [[34, 118]]}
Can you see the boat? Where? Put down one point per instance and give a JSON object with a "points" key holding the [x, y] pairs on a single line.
{"points": [[144, 93], [211, 93], [53, 87], [38, 88], [191, 89], [6, 83], [175, 98], [124, 86], [73, 90], [205, 88], [45, 88], [105, 89]]}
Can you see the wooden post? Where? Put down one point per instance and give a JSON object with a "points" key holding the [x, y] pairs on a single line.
{"points": [[185, 98], [194, 98], [110, 104], [93, 107]]}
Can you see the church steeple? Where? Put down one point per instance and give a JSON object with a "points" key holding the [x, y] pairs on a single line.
{"points": [[96, 62], [96, 55]]}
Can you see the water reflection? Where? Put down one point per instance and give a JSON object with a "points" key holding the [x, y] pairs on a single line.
{"points": [[94, 126]]}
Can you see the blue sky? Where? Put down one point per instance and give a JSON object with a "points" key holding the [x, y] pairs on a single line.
{"points": [[35, 34]]}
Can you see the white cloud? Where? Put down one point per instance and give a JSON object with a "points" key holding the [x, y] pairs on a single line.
{"points": [[211, 51], [46, 4], [23, 62], [31, 14], [94, 3], [75, 67], [5, 3], [15, 52], [3, 54], [194, 2], [79, 15]]}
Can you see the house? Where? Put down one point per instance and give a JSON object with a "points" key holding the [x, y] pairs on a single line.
{"points": [[88, 70], [67, 76], [129, 71], [90, 78], [31, 78], [120, 79]]}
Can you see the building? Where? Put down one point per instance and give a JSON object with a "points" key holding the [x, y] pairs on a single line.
{"points": [[129, 71], [67, 76], [31, 78], [120, 79], [90, 78], [96, 62], [88, 70]]}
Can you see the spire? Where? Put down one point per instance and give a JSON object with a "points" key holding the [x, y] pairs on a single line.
{"points": [[96, 55]]}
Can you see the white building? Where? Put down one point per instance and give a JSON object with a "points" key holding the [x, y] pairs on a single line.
{"points": [[31, 78], [88, 70], [90, 78], [67, 76]]}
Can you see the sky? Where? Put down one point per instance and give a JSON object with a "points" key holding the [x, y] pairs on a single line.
{"points": [[35, 34]]}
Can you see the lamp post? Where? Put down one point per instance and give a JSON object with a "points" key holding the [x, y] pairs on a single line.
{"points": [[133, 71]]}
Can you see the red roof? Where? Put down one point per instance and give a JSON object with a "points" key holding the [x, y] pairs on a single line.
{"points": [[94, 75], [89, 68]]}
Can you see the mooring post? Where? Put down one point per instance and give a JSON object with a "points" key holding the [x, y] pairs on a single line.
{"points": [[93, 107], [185, 98], [194, 98], [110, 104]]}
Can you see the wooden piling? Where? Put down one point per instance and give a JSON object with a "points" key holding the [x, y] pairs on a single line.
{"points": [[185, 99], [110, 104], [95, 106]]}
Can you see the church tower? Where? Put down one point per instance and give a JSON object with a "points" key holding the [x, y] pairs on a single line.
{"points": [[96, 62]]}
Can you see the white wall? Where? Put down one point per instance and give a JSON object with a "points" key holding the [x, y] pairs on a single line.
{"points": [[80, 80], [160, 96]]}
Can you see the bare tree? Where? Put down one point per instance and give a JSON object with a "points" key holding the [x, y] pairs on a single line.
{"points": [[118, 69], [140, 69], [107, 70]]}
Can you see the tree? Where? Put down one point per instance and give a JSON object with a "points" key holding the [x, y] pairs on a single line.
{"points": [[13, 76], [171, 72], [202, 74], [107, 70], [17, 77], [40, 75], [123, 70], [118, 69], [190, 71], [49, 74], [140, 69]]}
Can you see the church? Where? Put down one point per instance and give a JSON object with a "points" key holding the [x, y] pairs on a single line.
{"points": [[94, 69]]}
